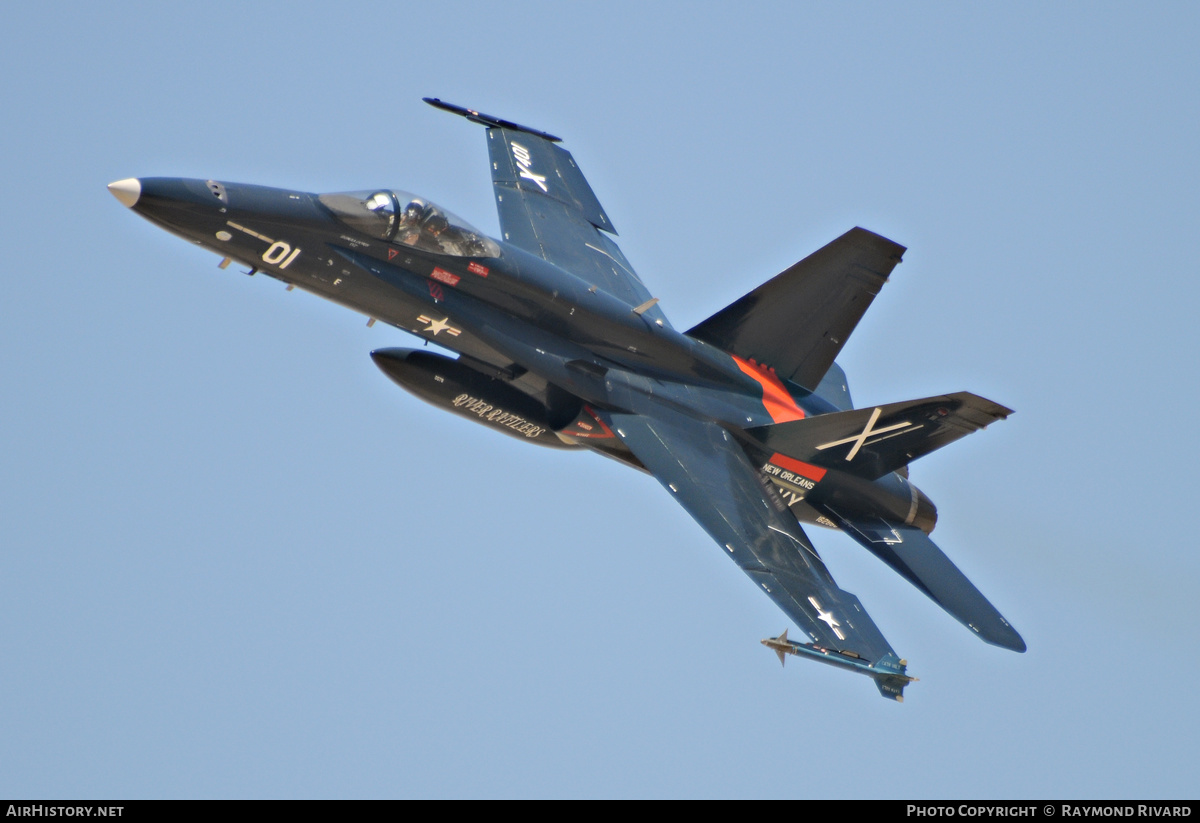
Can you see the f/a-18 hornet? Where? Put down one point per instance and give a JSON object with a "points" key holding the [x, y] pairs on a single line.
{"points": [[745, 419]]}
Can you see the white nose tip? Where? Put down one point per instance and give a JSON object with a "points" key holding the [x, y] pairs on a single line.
{"points": [[127, 191]]}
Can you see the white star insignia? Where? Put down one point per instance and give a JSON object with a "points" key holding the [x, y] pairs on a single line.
{"points": [[827, 618], [438, 326]]}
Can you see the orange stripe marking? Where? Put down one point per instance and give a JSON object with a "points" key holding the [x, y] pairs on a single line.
{"points": [[814, 473], [776, 400]]}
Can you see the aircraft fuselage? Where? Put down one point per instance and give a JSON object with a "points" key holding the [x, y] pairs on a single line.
{"points": [[745, 419], [549, 321]]}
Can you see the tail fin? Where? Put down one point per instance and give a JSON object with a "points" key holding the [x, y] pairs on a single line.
{"points": [[798, 322], [835, 389], [870, 443]]}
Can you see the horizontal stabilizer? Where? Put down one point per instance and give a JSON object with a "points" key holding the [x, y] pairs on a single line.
{"points": [[870, 443], [918, 559], [797, 322]]}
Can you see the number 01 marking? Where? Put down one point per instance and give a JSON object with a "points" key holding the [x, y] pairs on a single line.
{"points": [[280, 254]]}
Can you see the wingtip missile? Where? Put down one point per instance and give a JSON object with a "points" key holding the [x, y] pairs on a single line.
{"points": [[778, 645], [889, 672]]}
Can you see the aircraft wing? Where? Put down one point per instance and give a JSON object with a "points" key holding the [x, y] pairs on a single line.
{"points": [[706, 471], [547, 207]]}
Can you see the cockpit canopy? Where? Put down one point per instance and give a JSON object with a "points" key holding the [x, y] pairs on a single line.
{"points": [[405, 219]]}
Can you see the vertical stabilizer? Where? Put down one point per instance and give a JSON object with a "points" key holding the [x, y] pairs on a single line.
{"points": [[797, 322]]}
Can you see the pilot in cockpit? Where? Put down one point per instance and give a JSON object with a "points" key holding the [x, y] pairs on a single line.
{"points": [[421, 221]]}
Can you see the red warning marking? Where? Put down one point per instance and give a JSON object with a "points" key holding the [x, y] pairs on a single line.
{"points": [[392, 253], [604, 433], [449, 278], [477, 268], [435, 291], [776, 399], [814, 473]]}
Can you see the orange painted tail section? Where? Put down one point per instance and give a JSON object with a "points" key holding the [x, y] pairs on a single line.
{"points": [[777, 400]]}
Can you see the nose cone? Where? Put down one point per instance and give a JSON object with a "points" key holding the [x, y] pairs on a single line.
{"points": [[127, 191]]}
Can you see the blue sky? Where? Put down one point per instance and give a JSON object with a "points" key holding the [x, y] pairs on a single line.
{"points": [[238, 561]]}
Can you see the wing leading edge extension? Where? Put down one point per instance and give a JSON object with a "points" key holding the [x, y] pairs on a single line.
{"points": [[705, 470]]}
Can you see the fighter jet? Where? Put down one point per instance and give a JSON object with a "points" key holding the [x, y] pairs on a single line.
{"points": [[745, 419]]}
